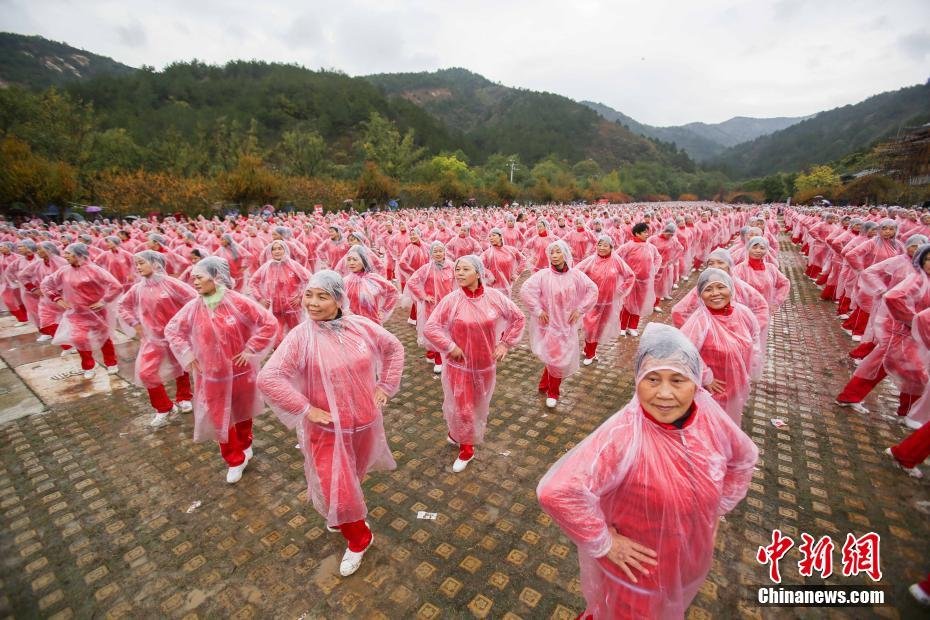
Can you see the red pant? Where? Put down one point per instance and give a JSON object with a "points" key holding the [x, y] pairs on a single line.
{"points": [[356, 534], [549, 384], [590, 348], [109, 356], [20, 314], [49, 330], [413, 312], [845, 303], [862, 350], [240, 438], [857, 322], [912, 452], [627, 320], [857, 389], [822, 278], [159, 397], [435, 356], [829, 292]]}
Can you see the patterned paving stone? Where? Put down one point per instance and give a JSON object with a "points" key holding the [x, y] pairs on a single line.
{"points": [[101, 516]]}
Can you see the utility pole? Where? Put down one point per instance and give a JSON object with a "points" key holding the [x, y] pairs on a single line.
{"points": [[513, 166]]}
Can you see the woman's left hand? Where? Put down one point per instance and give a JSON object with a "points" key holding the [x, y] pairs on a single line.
{"points": [[241, 360], [97, 305], [381, 398], [573, 317], [500, 351]]}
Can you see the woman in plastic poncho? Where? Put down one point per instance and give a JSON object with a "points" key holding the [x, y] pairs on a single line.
{"points": [[614, 279], [369, 293], [473, 327], [278, 285], [726, 333], [557, 298], [763, 276], [222, 336], [330, 379], [642, 495], [147, 307], [427, 286]]}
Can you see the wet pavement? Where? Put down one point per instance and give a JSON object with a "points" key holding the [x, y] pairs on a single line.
{"points": [[101, 516]]}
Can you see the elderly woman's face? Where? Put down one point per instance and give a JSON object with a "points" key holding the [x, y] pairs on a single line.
{"points": [[465, 274], [320, 305], [716, 263], [353, 263], [716, 295], [556, 257], [926, 264], [203, 283], [439, 254], [278, 252], [666, 395], [496, 240], [603, 248], [888, 232], [757, 251]]}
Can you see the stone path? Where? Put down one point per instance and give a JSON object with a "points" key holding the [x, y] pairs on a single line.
{"points": [[101, 516]]}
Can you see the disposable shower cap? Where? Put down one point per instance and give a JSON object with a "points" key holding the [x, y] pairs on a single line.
{"points": [[155, 259], [359, 236], [670, 227], [50, 247], [917, 240], [869, 226], [662, 347], [713, 275], [606, 239], [287, 233], [758, 240], [497, 231], [920, 255], [361, 252], [722, 254], [215, 268], [29, 244], [284, 246], [888, 222], [566, 251], [78, 249], [475, 262], [434, 245], [331, 282], [159, 239], [233, 246]]}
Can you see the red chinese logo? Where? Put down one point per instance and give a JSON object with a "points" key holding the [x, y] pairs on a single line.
{"points": [[816, 556], [861, 555], [771, 554]]}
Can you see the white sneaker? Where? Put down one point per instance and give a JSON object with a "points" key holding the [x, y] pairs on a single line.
{"points": [[657, 309], [634, 333], [450, 440], [437, 368], [919, 595], [913, 472], [234, 474], [675, 286], [551, 402], [351, 560], [857, 338], [249, 454], [112, 370], [185, 406], [67, 352], [858, 407], [159, 419], [43, 338], [411, 322], [588, 361], [89, 374], [20, 323], [842, 317], [622, 332], [459, 465], [666, 298]]}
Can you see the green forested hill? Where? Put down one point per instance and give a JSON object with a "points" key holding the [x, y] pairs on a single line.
{"points": [[37, 62], [830, 135]]}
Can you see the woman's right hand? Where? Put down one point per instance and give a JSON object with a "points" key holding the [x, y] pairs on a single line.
{"points": [[457, 354], [629, 555], [318, 416], [544, 318], [716, 386]]}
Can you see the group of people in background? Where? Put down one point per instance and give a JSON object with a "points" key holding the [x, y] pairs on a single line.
{"points": [[289, 312]]}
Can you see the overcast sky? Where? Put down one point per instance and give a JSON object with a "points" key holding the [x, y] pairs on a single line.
{"points": [[662, 62]]}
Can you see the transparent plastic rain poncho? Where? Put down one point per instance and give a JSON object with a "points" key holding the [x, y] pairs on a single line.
{"points": [[412, 257], [580, 242], [743, 294], [613, 279], [729, 344], [660, 486], [462, 245], [920, 332], [669, 251], [504, 264], [118, 262], [427, 286], [31, 275], [876, 280], [896, 351], [279, 285], [645, 261], [81, 326], [224, 393], [536, 245], [369, 293], [558, 294], [475, 323], [150, 303], [336, 366], [763, 276]]}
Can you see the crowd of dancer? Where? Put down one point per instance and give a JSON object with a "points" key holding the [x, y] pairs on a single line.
{"points": [[289, 312]]}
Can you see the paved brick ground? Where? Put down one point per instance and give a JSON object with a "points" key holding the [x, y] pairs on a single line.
{"points": [[100, 516]]}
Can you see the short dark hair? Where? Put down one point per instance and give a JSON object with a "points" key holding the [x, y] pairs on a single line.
{"points": [[640, 228]]}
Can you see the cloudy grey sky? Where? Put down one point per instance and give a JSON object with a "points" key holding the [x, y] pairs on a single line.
{"points": [[662, 62]]}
